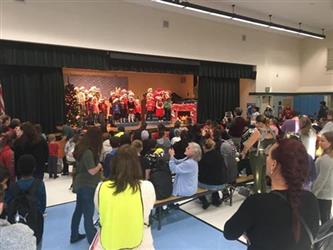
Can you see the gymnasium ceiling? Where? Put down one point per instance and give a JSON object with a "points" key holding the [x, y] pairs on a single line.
{"points": [[313, 14]]}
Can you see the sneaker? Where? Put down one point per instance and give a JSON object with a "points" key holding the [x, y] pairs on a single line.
{"points": [[205, 205], [77, 238], [217, 203], [55, 177]]}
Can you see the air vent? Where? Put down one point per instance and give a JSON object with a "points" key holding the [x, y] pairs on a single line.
{"points": [[329, 59], [165, 24]]}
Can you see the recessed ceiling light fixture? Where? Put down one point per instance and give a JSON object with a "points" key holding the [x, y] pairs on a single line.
{"points": [[239, 18]]}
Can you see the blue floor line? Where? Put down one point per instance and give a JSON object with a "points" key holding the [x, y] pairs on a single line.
{"points": [[180, 231]]}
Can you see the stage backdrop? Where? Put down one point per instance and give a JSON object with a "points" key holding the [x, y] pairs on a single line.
{"points": [[104, 83]]}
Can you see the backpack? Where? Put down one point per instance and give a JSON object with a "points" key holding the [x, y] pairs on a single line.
{"points": [[161, 178], [23, 209], [324, 238]]}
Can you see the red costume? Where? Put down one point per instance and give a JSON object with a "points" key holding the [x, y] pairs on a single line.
{"points": [[150, 105], [159, 109]]}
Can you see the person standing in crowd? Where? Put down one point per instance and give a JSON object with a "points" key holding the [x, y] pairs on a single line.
{"points": [[106, 148], [180, 146], [115, 144], [274, 125], [67, 133], [138, 145], [287, 113], [307, 135], [322, 113], [176, 137], [291, 125], [237, 127], [186, 170], [212, 173], [14, 236], [88, 169], [69, 153], [30, 142], [34, 186], [5, 124], [15, 122], [124, 203], [137, 133], [163, 142], [7, 155], [260, 139], [323, 185], [328, 126], [255, 113], [274, 220], [268, 112], [53, 156], [172, 130]]}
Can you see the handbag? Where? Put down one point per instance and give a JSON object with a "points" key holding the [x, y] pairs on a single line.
{"points": [[96, 243]]}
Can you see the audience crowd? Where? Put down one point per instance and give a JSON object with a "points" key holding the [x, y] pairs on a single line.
{"points": [[122, 173]]}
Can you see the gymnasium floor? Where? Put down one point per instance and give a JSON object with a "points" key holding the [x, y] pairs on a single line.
{"points": [[188, 228]]}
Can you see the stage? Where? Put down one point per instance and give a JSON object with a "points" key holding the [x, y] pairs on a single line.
{"points": [[129, 127]]}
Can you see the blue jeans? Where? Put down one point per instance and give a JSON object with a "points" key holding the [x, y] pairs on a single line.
{"points": [[84, 206]]}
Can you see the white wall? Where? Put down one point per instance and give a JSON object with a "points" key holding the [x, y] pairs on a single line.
{"points": [[314, 76], [120, 26]]}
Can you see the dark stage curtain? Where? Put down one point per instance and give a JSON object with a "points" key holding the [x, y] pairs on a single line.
{"points": [[216, 96], [42, 55], [152, 67], [226, 70], [34, 94]]}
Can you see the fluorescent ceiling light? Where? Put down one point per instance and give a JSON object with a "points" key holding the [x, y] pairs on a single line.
{"points": [[201, 9], [219, 15], [283, 29], [295, 32], [198, 10], [250, 22], [305, 34], [168, 3]]}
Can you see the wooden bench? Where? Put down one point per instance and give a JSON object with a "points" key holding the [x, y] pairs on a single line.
{"points": [[240, 181], [173, 199]]}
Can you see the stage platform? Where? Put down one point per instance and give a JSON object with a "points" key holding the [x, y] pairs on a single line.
{"points": [[129, 127]]}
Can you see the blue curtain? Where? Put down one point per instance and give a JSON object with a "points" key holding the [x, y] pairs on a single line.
{"points": [[308, 104]]}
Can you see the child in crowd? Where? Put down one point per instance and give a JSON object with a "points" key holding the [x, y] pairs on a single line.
{"points": [[53, 156], [28, 192], [14, 236], [69, 150], [7, 155]]}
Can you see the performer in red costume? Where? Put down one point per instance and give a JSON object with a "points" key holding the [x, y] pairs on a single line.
{"points": [[131, 109], [150, 106], [159, 108]]}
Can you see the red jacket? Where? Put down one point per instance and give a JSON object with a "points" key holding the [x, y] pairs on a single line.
{"points": [[7, 160]]}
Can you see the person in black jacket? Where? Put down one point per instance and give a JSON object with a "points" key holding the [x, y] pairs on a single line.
{"points": [[212, 172], [30, 142], [181, 145], [277, 220]]}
